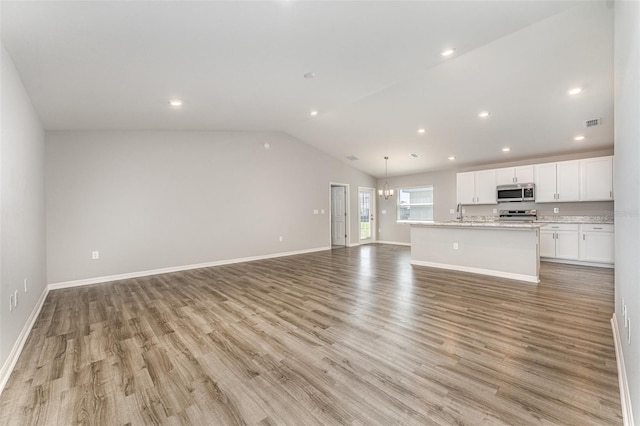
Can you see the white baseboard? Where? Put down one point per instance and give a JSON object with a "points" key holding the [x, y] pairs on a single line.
{"points": [[577, 262], [625, 397], [395, 243], [108, 278], [490, 272], [10, 363]]}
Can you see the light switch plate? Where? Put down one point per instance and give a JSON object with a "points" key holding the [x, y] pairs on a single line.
{"points": [[315, 211], [384, 212]]}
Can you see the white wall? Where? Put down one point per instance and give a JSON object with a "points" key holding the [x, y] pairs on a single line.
{"points": [[444, 196], [22, 214], [151, 200], [627, 184]]}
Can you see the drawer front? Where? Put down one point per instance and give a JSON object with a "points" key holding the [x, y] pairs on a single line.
{"points": [[597, 228], [561, 227]]}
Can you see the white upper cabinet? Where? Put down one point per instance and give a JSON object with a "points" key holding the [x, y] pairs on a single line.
{"points": [[476, 187], [590, 179], [557, 182], [568, 181], [596, 179], [545, 180], [520, 174], [466, 187]]}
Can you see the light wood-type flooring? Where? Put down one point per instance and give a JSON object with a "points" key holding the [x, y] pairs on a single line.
{"points": [[348, 336]]}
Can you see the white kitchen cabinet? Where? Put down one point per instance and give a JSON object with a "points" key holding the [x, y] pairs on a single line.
{"points": [[560, 241], [597, 243], [466, 187], [520, 174], [557, 182], [476, 187], [596, 179]]}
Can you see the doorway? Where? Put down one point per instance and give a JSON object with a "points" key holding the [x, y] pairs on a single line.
{"points": [[366, 208], [339, 215]]}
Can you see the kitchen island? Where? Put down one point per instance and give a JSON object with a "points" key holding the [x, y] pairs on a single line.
{"points": [[500, 249]]}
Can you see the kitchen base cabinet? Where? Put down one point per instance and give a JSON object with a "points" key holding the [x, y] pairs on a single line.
{"points": [[560, 241], [580, 244], [597, 243]]}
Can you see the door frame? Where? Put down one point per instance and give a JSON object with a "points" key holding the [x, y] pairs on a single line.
{"points": [[347, 226], [374, 226]]}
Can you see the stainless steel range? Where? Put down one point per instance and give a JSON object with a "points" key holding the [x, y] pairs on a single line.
{"points": [[519, 215]]}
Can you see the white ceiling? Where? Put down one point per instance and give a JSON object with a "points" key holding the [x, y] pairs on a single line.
{"points": [[239, 65]]}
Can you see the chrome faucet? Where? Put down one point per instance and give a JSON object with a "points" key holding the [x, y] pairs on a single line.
{"points": [[459, 212]]}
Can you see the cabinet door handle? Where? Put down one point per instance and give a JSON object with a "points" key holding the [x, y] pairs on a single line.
{"points": [[610, 194], [583, 237], [597, 227], [558, 196]]}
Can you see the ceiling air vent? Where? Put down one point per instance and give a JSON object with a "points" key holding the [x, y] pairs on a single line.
{"points": [[352, 158], [593, 122]]}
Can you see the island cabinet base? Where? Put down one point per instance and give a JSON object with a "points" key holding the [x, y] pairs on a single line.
{"points": [[500, 252]]}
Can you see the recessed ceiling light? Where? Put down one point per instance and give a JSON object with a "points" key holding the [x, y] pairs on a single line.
{"points": [[451, 158], [175, 102], [483, 114], [313, 113], [447, 52], [506, 149], [575, 90], [579, 138], [310, 75], [414, 155], [422, 130]]}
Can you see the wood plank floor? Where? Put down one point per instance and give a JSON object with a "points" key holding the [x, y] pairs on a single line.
{"points": [[349, 336]]}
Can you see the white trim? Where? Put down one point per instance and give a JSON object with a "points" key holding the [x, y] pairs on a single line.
{"points": [[354, 244], [395, 243], [577, 262], [10, 363], [96, 280], [625, 397], [501, 274]]}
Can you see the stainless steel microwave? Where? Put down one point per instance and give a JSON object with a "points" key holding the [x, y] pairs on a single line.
{"points": [[516, 192]]}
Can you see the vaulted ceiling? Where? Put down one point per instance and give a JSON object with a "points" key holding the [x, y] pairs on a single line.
{"points": [[379, 73]]}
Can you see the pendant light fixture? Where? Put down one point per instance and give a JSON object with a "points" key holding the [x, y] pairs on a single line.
{"points": [[385, 191]]}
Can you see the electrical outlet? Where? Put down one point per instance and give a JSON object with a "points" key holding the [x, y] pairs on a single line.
{"points": [[495, 211], [95, 255], [281, 238], [455, 246], [464, 211], [452, 211], [384, 212], [556, 210], [322, 211]]}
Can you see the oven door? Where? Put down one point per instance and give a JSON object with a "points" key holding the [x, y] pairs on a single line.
{"points": [[509, 194]]}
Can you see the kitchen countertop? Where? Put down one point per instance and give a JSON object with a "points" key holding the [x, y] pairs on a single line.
{"points": [[576, 219], [483, 224]]}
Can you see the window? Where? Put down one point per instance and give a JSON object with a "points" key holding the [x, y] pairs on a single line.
{"points": [[415, 204]]}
